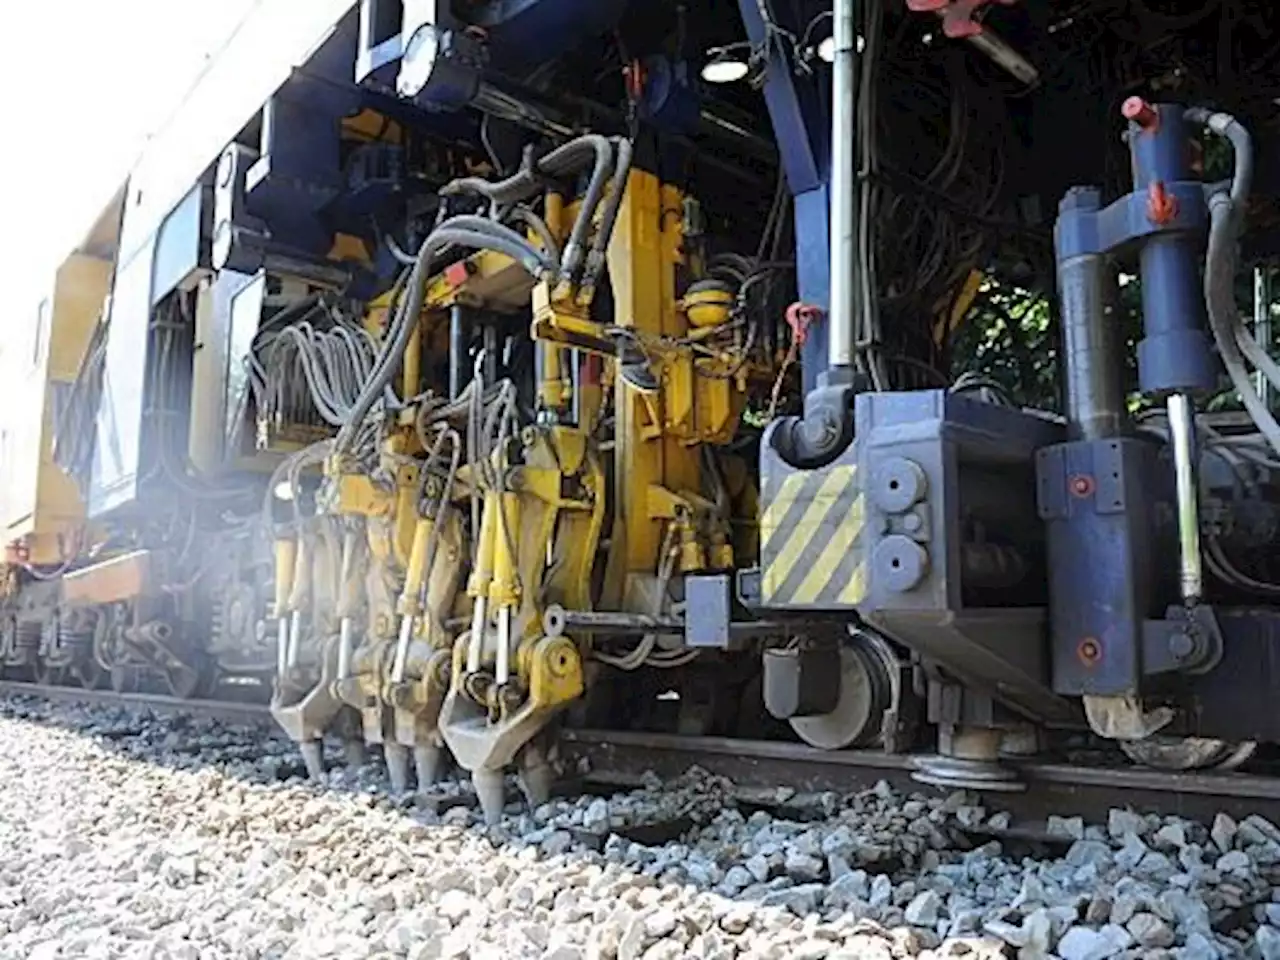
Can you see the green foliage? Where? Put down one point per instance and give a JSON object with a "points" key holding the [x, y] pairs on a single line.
{"points": [[1009, 336], [1012, 336]]}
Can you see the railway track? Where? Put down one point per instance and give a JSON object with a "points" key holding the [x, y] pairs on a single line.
{"points": [[1067, 789], [228, 711], [621, 759]]}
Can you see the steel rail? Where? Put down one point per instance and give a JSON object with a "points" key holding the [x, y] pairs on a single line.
{"points": [[757, 767], [624, 757], [227, 710]]}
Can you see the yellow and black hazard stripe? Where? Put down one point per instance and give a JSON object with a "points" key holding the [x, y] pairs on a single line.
{"points": [[810, 540]]}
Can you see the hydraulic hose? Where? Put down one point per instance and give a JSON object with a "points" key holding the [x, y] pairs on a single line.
{"points": [[512, 240], [524, 215], [600, 246], [410, 308], [559, 162], [516, 188], [1235, 344], [397, 252], [1230, 129], [1224, 317], [565, 159]]}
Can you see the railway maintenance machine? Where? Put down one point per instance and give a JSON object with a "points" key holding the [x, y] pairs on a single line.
{"points": [[871, 374]]}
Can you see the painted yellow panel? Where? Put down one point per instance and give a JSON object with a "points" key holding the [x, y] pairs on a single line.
{"points": [[40, 505]]}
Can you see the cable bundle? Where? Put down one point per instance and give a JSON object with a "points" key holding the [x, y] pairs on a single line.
{"points": [[168, 410], [331, 359], [930, 178], [74, 433]]}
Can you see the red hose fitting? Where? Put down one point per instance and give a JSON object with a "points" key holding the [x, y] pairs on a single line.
{"points": [[1136, 110]]}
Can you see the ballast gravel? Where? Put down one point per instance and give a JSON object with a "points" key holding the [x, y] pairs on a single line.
{"points": [[128, 835]]}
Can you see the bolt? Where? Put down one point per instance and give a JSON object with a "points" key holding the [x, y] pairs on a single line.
{"points": [[1081, 486], [1089, 651], [1182, 645]]}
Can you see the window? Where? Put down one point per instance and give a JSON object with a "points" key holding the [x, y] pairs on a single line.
{"points": [[42, 333], [61, 400]]}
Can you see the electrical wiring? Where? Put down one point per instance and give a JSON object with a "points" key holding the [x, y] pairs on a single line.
{"points": [[168, 411], [332, 363], [1229, 573], [932, 170], [468, 232], [642, 654], [74, 431], [868, 339]]}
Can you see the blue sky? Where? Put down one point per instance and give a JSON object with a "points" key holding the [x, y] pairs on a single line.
{"points": [[82, 84]]}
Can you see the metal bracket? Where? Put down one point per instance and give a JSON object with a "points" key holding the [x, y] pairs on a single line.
{"points": [[1188, 640], [749, 587], [709, 613], [802, 681]]}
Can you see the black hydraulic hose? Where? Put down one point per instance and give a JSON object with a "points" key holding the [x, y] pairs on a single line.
{"points": [[600, 246], [524, 215], [1224, 320], [1232, 130], [514, 189], [621, 174], [533, 259], [1235, 345], [575, 250], [408, 297], [410, 309], [558, 163]]}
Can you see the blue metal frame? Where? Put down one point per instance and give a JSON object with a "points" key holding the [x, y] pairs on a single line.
{"points": [[1175, 354], [1102, 498], [802, 129]]}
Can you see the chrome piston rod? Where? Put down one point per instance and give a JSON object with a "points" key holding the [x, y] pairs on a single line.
{"points": [[844, 185], [1182, 438]]}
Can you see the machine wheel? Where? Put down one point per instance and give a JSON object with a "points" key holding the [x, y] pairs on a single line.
{"points": [[210, 681], [90, 673], [185, 682], [125, 678], [1188, 753], [49, 676], [868, 687]]}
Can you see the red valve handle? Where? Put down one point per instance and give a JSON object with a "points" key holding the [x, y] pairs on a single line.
{"points": [[800, 317]]}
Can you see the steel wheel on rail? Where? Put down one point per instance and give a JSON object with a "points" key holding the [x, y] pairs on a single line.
{"points": [[87, 669], [870, 688], [125, 678], [186, 681], [48, 675], [90, 673]]}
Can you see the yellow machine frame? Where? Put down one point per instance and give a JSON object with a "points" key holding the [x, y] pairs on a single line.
{"points": [[43, 513]]}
